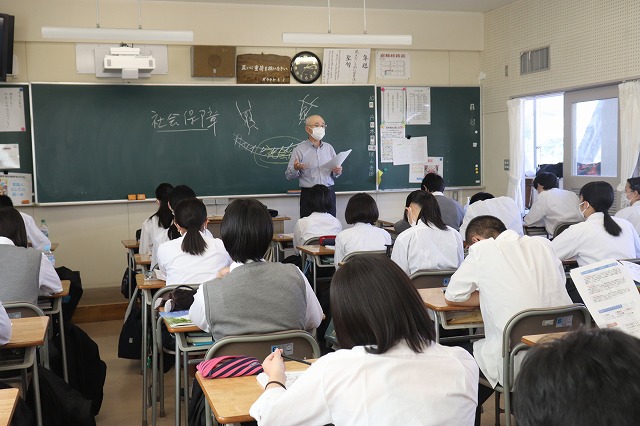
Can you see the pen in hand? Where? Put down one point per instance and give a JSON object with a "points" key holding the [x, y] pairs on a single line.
{"points": [[295, 359]]}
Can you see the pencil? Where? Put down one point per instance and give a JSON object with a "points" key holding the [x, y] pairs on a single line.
{"points": [[295, 359]]}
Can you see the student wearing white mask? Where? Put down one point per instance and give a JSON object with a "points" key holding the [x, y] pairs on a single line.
{"points": [[306, 161], [631, 196]]}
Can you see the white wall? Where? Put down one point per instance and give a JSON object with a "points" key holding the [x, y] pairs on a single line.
{"points": [[445, 52]]}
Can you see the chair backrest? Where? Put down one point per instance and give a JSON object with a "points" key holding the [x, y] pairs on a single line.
{"points": [[297, 343], [360, 253], [313, 241], [561, 227], [427, 278], [22, 310]]}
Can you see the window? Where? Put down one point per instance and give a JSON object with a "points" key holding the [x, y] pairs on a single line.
{"points": [[544, 131]]}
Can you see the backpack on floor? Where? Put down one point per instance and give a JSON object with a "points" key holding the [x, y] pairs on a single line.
{"points": [[70, 302], [130, 341]]}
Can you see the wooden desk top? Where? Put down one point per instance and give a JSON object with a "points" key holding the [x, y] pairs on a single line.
{"points": [[66, 285], [230, 399], [142, 259], [433, 298], [26, 332], [218, 219], [282, 238], [385, 223], [534, 339], [8, 400], [315, 250], [131, 244], [149, 284]]}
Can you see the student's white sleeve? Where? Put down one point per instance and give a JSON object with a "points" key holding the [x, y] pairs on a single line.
{"points": [[145, 239], [48, 279], [5, 326], [464, 281], [314, 310], [297, 237], [400, 255], [339, 253], [197, 311], [636, 241], [535, 217], [465, 222], [566, 244], [37, 238], [161, 259]]}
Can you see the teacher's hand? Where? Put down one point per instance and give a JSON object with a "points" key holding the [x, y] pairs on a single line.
{"points": [[273, 366], [337, 170], [298, 165]]}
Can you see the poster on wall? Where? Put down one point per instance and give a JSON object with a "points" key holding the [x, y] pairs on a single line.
{"points": [[346, 66], [12, 109], [418, 105], [18, 187]]}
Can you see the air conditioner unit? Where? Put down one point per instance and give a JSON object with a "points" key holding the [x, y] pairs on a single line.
{"points": [[129, 62]]}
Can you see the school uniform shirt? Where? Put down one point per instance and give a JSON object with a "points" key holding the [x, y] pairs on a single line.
{"points": [[450, 210], [427, 247], [48, 280], [512, 273], [35, 235], [632, 214], [315, 225], [399, 387], [162, 238], [504, 208], [589, 242], [184, 268], [150, 232], [5, 326], [553, 207], [361, 237]]}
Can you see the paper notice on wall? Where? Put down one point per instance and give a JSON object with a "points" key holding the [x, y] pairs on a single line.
{"points": [[417, 171], [393, 105], [18, 187], [610, 294], [346, 66], [393, 65], [418, 105], [9, 156], [389, 132], [408, 151], [12, 109]]}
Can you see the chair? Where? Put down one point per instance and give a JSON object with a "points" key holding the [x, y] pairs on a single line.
{"points": [[360, 253], [301, 343], [535, 231], [528, 322], [561, 228], [431, 278]]}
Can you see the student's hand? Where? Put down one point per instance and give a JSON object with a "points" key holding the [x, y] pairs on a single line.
{"points": [[298, 165], [222, 272], [337, 170], [273, 366]]}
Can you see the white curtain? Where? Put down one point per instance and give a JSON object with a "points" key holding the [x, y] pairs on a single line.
{"points": [[516, 151], [629, 101]]}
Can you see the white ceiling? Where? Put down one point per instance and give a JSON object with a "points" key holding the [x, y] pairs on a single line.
{"points": [[429, 5]]}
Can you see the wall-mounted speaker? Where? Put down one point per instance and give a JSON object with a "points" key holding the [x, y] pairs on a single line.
{"points": [[213, 61]]}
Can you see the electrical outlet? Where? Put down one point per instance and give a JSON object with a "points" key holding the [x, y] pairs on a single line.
{"points": [[287, 348], [506, 164]]}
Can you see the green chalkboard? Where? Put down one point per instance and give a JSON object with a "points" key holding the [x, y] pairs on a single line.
{"points": [[102, 142], [454, 135], [13, 101]]}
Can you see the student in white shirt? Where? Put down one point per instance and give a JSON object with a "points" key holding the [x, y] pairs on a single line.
{"points": [[600, 236], [5, 326], [159, 222], [429, 243], [319, 223], [362, 213], [34, 234], [389, 370], [26, 272], [485, 204], [504, 273], [192, 258], [631, 196], [553, 205]]}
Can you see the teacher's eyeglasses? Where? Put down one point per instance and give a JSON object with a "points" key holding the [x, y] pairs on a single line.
{"points": [[318, 125]]}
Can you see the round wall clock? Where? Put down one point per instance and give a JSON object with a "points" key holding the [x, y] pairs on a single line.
{"points": [[306, 67]]}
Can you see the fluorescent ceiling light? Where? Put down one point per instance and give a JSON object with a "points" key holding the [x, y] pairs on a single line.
{"points": [[116, 34], [324, 39]]}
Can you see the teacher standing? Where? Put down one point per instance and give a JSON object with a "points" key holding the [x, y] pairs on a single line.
{"points": [[306, 161]]}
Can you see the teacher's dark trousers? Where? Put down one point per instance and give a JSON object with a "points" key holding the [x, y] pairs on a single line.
{"points": [[305, 202]]}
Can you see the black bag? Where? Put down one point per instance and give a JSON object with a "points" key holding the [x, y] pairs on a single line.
{"points": [[22, 415], [70, 302], [130, 341], [124, 284], [61, 404]]}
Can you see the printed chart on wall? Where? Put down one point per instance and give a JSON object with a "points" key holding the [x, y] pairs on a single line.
{"points": [[429, 130]]}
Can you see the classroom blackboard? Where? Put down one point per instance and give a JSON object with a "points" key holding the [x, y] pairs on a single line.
{"points": [[13, 106], [101, 142], [454, 134]]}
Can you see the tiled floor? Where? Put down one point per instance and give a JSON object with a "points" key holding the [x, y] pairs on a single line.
{"points": [[123, 387]]}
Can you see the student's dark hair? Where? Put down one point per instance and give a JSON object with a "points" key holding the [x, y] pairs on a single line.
{"points": [[429, 210], [373, 302], [600, 196], [319, 199], [191, 214], [177, 194], [546, 179], [412, 196], [12, 226], [480, 196], [432, 182], [590, 377], [6, 201], [246, 229], [165, 217], [485, 227], [361, 208], [634, 183]]}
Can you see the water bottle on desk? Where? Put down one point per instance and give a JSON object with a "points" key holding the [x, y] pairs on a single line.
{"points": [[44, 228], [47, 252]]}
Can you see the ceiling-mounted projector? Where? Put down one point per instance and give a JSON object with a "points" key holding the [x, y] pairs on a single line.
{"points": [[129, 61]]}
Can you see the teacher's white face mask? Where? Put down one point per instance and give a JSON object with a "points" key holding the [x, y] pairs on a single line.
{"points": [[318, 133]]}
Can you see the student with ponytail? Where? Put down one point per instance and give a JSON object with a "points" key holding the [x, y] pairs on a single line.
{"points": [[159, 222], [600, 236], [194, 257]]}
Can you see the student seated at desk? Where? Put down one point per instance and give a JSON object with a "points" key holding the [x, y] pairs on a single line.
{"points": [[5, 326], [34, 234], [320, 222], [253, 296], [389, 372], [631, 196], [504, 274], [362, 213], [553, 205], [504, 208], [429, 243], [403, 224], [194, 257], [589, 377], [159, 222], [26, 272], [450, 210]]}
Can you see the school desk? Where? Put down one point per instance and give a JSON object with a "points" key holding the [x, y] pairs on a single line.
{"points": [[314, 254], [534, 339], [215, 221], [54, 307], [27, 333], [231, 398], [450, 317], [8, 400], [280, 243], [131, 246]]}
